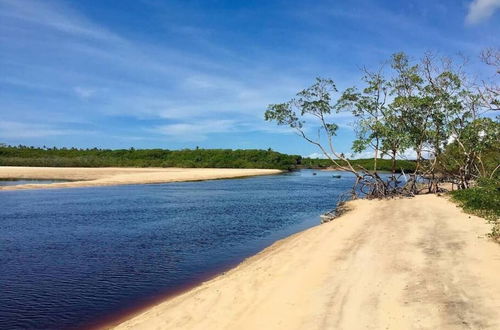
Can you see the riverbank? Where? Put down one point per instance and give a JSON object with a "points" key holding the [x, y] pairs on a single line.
{"points": [[111, 176], [392, 264]]}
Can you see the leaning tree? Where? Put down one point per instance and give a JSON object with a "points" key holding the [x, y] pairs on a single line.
{"points": [[310, 114]]}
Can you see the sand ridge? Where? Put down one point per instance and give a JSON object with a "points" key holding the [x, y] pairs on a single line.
{"points": [[108, 176], [418, 263]]}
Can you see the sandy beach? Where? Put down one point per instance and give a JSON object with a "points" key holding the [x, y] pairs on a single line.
{"points": [[110, 176], [417, 263]]}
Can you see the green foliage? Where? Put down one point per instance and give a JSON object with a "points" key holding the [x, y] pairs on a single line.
{"points": [[411, 106], [384, 165], [477, 148], [379, 125], [315, 100], [482, 200], [202, 158]]}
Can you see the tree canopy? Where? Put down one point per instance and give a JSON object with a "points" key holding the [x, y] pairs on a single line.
{"points": [[431, 107], [219, 158]]}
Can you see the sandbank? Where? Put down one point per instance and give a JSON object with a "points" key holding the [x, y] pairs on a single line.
{"points": [[110, 176], [418, 263]]}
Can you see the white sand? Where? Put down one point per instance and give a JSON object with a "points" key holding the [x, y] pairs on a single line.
{"points": [[108, 176], [417, 263]]}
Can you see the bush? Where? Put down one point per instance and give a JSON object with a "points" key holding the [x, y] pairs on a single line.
{"points": [[482, 200]]}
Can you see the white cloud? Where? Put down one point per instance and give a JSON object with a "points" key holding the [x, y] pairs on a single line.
{"points": [[480, 10], [195, 131], [317, 155], [198, 130]]}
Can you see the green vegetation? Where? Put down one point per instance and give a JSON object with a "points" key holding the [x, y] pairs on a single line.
{"points": [[482, 200], [384, 165], [475, 155], [218, 158], [431, 107], [202, 158]]}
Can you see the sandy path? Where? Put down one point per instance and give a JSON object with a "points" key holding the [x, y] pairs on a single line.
{"points": [[109, 176], [401, 264]]}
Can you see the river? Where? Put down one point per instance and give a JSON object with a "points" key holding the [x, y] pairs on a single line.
{"points": [[74, 258]]}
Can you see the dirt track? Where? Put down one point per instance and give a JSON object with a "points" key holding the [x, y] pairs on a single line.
{"points": [[415, 263]]}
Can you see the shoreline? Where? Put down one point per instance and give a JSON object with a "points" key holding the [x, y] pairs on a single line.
{"points": [[113, 176], [114, 321], [312, 270]]}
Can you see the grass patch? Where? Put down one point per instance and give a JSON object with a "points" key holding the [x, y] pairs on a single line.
{"points": [[482, 200]]}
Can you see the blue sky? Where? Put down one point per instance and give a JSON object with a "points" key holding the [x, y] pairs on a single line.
{"points": [[181, 74]]}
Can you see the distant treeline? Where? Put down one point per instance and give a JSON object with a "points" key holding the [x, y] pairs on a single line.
{"points": [[202, 158], [382, 164]]}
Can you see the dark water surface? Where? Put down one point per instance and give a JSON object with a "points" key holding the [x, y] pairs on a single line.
{"points": [[72, 257]]}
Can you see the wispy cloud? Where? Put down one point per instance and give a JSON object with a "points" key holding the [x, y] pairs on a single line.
{"points": [[133, 78], [480, 10], [413, 27], [11, 129], [196, 131], [57, 17], [199, 130], [194, 72]]}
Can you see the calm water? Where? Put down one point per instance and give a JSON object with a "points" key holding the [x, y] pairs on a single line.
{"points": [[72, 257]]}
